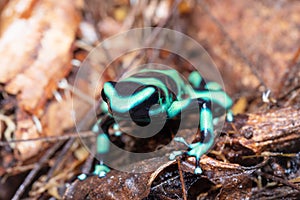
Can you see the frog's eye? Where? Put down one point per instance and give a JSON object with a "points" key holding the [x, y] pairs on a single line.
{"points": [[107, 89], [121, 98]]}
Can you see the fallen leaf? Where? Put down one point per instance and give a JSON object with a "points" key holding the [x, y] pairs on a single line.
{"points": [[26, 129], [58, 118], [35, 45], [116, 185], [267, 34], [264, 131]]}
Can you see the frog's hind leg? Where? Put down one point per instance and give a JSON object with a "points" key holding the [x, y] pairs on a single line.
{"points": [[207, 133], [213, 91], [196, 80], [205, 127]]}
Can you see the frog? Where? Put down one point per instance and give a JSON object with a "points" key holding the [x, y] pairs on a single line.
{"points": [[149, 93]]}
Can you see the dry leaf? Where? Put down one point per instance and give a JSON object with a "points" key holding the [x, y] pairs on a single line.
{"points": [[58, 118], [35, 44], [26, 129], [266, 32], [275, 129]]}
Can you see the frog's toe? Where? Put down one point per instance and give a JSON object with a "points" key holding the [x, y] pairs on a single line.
{"points": [[101, 170], [175, 154], [82, 176], [197, 150], [198, 170]]}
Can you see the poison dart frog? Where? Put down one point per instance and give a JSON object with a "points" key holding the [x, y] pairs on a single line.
{"points": [[150, 92]]}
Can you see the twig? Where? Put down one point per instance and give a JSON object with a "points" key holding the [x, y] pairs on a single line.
{"points": [[181, 180], [50, 138], [62, 153], [63, 84], [155, 32], [35, 170], [11, 126], [278, 179], [94, 23], [88, 163]]}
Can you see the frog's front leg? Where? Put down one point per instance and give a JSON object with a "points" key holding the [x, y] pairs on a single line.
{"points": [[205, 127], [102, 145]]}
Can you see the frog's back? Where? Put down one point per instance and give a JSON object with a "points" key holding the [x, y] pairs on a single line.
{"points": [[168, 81]]}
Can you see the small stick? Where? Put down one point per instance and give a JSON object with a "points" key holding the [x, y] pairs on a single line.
{"points": [[181, 180], [50, 138], [35, 170], [280, 180]]}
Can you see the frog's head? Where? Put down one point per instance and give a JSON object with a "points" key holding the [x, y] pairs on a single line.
{"points": [[126, 100]]}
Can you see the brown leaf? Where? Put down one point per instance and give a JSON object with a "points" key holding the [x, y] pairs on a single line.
{"points": [[279, 192], [35, 45], [266, 32], [26, 129], [116, 185], [58, 118], [120, 185], [274, 129]]}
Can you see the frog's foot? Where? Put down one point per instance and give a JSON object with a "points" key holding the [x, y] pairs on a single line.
{"points": [[229, 116], [117, 131], [101, 170], [82, 176], [197, 150], [181, 140], [174, 154]]}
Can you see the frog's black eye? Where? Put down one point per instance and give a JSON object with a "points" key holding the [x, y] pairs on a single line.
{"points": [[103, 93], [140, 113]]}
